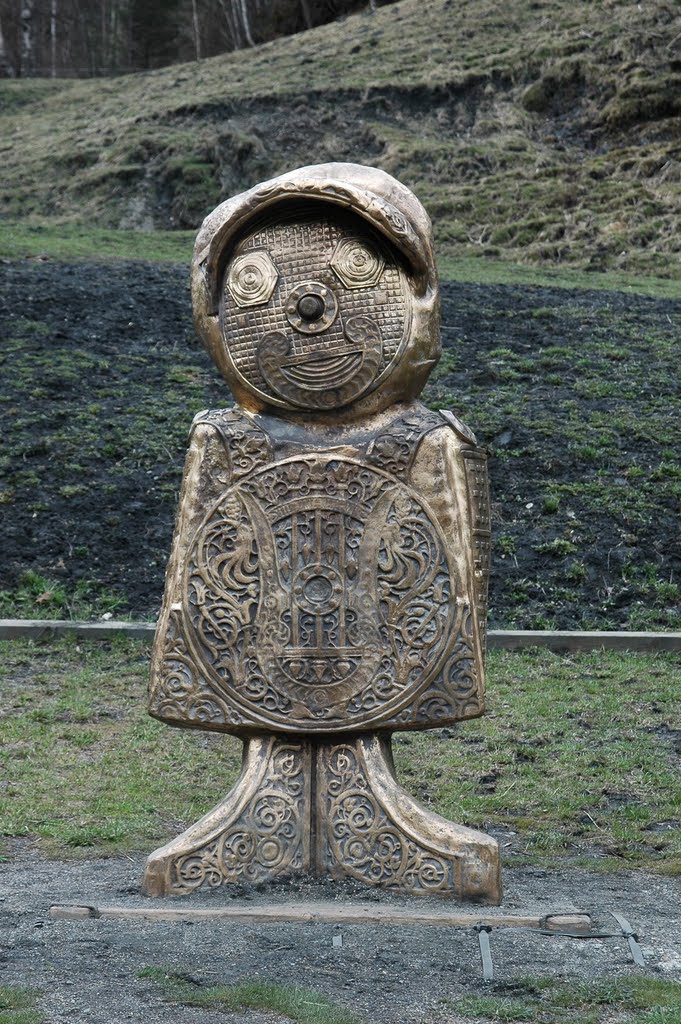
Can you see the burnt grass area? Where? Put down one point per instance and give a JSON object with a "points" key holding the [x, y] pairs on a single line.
{"points": [[575, 393]]}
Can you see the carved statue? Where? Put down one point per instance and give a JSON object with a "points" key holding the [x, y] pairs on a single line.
{"points": [[328, 579]]}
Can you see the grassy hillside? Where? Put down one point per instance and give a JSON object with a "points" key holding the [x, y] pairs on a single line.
{"points": [[533, 132]]}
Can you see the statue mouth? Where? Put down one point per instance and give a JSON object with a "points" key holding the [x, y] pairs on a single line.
{"points": [[322, 378], [322, 370]]}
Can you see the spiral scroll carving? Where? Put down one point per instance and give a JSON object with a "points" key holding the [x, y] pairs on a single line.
{"points": [[266, 839], [361, 837]]}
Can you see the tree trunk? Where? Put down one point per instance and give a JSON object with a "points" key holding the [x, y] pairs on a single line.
{"points": [[306, 13], [103, 59], [230, 21], [26, 15], [197, 29], [113, 37], [245, 22], [6, 69]]}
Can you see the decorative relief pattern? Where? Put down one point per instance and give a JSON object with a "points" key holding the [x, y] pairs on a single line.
{"points": [[479, 509], [393, 450], [456, 692], [284, 581], [356, 264], [360, 838], [322, 379], [247, 445], [268, 838], [180, 693], [252, 279]]}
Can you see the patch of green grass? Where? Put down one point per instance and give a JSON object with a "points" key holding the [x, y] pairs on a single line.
{"points": [[17, 1006], [67, 242], [89, 771], [634, 1000], [302, 1005], [38, 597], [576, 756], [487, 270]]}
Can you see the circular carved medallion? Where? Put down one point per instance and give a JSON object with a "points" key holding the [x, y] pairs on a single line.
{"points": [[315, 309], [318, 595]]}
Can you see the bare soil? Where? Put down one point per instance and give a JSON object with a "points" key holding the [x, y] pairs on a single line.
{"points": [[88, 970], [573, 392]]}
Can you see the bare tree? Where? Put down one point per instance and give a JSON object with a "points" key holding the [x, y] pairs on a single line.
{"points": [[231, 23], [6, 67], [101, 37], [307, 14], [26, 15], [243, 4], [197, 29], [53, 38]]}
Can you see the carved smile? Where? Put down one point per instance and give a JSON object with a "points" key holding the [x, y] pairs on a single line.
{"points": [[324, 369], [322, 378]]}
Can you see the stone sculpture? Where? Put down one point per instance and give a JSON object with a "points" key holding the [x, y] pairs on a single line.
{"points": [[328, 579]]}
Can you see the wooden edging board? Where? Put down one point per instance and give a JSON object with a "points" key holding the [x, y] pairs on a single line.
{"points": [[509, 639], [327, 913]]}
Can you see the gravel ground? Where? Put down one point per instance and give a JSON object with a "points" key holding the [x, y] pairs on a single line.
{"points": [[88, 970]]}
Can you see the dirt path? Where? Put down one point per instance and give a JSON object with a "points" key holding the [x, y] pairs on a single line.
{"points": [[88, 971]]}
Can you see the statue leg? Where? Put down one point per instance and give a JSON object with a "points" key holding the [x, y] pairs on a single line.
{"points": [[332, 808], [260, 830], [371, 829]]}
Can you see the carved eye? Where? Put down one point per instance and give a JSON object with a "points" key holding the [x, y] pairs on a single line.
{"points": [[252, 278], [356, 264]]}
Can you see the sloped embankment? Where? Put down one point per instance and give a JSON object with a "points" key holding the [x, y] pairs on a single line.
{"points": [[537, 132], [573, 391]]}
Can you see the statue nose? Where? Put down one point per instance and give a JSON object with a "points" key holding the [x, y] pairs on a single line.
{"points": [[310, 307]]}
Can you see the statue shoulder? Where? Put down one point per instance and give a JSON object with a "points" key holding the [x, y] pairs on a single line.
{"points": [[247, 444], [463, 432]]}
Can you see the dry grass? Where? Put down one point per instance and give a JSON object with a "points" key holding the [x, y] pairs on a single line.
{"points": [[543, 132]]}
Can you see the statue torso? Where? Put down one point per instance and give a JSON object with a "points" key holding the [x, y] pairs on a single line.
{"points": [[318, 590]]}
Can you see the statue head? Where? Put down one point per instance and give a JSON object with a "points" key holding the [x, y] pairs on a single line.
{"points": [[317, 291]]}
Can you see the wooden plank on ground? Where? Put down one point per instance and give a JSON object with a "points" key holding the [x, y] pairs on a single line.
{"points": [[38, 629], [584, 640], [508, 639], [328, 913]]}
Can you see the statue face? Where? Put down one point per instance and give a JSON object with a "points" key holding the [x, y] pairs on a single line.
{"points": [[315, 308]]}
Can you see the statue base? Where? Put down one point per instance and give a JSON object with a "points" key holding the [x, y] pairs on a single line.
{"points": [[331, 807]]}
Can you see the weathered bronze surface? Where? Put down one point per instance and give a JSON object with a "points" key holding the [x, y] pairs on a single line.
{"points": [[328, 579]]}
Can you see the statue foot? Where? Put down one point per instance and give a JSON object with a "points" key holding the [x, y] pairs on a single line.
{"points": [[372, 829], [260, 830], [330, 807]]}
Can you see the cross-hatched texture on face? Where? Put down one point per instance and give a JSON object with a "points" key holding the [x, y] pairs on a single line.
{"points": [[301, 245]]}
